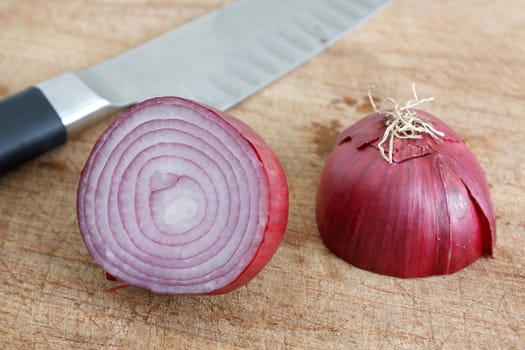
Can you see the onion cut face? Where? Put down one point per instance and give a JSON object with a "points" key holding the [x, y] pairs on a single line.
{"points": [[429, 212], [179, 198]]}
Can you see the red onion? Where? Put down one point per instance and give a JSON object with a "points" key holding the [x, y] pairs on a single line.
{"points": [[179, 198], [426, 212]]}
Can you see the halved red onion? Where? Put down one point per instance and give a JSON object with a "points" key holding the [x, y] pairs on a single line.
{"points": [[429, 212], [179, 198]]}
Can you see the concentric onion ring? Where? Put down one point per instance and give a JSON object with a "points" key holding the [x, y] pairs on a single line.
{"points": [[179, 198]]}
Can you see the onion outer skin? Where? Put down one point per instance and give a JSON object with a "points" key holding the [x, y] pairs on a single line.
{"points": [[428, 213], [277, 212]]}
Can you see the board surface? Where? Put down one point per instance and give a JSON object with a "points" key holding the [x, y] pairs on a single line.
{"points": [[469, 55]]}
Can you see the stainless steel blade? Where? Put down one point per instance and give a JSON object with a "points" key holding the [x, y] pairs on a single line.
{"points": [[218, 59], [229, 54]]}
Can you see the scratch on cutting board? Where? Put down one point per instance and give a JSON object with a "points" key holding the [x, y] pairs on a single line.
{"points": [[360, 105], [325, 136], [349, 101], [52, 165], [365, 107]]}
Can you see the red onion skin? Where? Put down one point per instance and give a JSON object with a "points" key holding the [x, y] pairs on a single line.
{"points": [[278, 203], [427, 213]]}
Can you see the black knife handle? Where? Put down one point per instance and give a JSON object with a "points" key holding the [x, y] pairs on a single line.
{"points": [[29, 126]]}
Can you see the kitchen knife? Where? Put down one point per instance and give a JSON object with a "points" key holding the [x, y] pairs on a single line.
{"points": [[218, 59]]}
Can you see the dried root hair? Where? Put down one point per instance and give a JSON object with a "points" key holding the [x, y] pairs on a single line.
{"points": [[402, 122]]}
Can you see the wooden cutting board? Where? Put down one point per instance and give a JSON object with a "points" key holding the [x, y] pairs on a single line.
{"points": [[469, 55]]}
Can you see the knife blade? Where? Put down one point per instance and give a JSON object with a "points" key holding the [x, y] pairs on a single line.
{"points": [[218, 59]]}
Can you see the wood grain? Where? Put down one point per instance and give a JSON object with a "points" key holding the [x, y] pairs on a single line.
{"points": [[469, 55]]}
